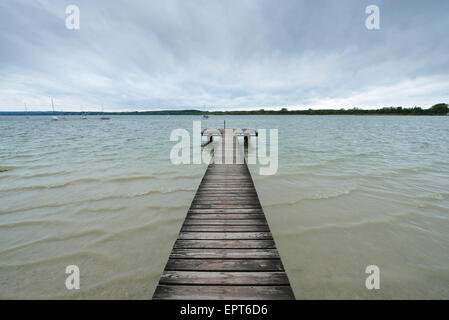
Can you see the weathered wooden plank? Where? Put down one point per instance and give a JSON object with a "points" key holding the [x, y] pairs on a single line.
{"points": [[231, 216], [234, 222], [225, 264], [225, 235], [249, 202], [234, 176], [227, 194], [220, 228], [224, 254], [215, 169], [231, 184], [239, 175], [225, 206], [224, 278], [228, 174], [224, 168], [230, 193], [215, 166], [220, 180], [204, 199], [224, 244], [182, 292], [225, 185], [237, 211], [231, 177], [230, 189], [220, 196], [224, 189], [236, 186]]}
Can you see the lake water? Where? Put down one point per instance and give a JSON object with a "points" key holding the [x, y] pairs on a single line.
{"points": [[351, 191]]}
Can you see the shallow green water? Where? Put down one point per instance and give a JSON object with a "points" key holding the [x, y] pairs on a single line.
{"points": [[350, 192]]}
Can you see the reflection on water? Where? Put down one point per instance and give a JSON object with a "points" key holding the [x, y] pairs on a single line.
{"points": [[350, 191]]}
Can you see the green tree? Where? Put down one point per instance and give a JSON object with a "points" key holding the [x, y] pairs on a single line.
{"points": [[440, 108]]}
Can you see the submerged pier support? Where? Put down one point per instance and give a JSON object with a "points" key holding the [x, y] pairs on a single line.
{"points": [[225, 249]]}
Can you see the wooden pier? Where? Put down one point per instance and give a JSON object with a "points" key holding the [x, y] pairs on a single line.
{"points": [[225, 249]]}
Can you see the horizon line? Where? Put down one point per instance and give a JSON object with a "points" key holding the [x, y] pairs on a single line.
{"points": [[194, 109]]}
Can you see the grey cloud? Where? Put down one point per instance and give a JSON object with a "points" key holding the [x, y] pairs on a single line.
{"points": [[131, 55]]}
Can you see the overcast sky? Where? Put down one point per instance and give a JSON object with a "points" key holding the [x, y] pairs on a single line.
{"points": [[226, 54]]}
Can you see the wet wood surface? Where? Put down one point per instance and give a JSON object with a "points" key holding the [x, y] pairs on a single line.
{"points": [[225, 249]]}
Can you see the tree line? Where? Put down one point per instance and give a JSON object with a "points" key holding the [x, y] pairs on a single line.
{"points": [[438, 109]]}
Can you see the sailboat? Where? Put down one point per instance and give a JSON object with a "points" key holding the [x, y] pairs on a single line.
{"points": [[205, 116], [54, 117], [83, 114], [103, 117]]}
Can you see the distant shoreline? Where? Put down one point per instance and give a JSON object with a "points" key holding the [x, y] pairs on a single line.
{"points": [[440, 109]]}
